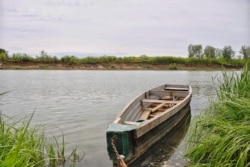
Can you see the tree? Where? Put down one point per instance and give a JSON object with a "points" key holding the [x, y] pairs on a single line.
{"points": [[45, 58], [227, 52], [190, 51], [43, 53], [195, 51], [209, 52], [245, 51], [218, 53], [3, 54]]}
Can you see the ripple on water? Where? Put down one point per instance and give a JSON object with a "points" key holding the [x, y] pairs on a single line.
{"points": [[81, 104]]}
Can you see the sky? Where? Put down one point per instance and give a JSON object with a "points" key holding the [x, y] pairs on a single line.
{"points": [[122, 27]]}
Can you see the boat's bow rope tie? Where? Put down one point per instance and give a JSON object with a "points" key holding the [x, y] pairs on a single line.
{"points": [[119, 157]]}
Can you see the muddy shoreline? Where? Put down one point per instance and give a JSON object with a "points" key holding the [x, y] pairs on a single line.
{"points": [[111, 66]]}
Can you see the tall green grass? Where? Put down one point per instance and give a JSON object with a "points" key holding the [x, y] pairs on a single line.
{"points": [[23, 146], [221, 135]]}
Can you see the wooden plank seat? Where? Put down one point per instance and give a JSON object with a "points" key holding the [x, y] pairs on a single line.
{"points": [[158, 107], [148, 111], [145, 114], [156, 113], [132, 123], [159, 101], [178, 89]]}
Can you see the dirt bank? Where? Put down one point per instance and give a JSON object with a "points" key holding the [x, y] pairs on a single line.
{"points": [[110, 66]]}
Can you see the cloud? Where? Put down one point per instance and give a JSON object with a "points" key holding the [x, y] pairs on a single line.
{"points": [[123, 26]]}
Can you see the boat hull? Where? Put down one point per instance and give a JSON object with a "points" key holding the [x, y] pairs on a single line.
{"points": [[143, 143], [132, 140]]}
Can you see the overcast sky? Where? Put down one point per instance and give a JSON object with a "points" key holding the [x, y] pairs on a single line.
{"points": [[122, 27]]}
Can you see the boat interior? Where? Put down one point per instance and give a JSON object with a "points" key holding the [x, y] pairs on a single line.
{"points": [[153, 103]]}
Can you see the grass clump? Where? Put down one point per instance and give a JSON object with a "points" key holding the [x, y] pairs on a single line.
{"points": [[172, 67], [23, 146], [221, 136]]}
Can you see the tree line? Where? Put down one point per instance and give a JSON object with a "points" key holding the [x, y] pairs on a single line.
{"points": [[211, 52], [196, 55]]}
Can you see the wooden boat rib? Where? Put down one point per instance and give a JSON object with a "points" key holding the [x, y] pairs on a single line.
{"points": [[146, 120]]}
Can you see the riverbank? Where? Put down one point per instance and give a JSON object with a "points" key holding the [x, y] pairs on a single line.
{"points": [[113, 66], [220, 136]]}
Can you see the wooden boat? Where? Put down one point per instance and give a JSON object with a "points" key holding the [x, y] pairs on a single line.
{"points": [[146, 120]]}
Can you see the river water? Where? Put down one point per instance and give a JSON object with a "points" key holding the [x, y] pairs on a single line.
{"points": [[81, 104]]}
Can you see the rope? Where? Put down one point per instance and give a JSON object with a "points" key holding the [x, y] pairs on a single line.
{"points": [[120, 160]]}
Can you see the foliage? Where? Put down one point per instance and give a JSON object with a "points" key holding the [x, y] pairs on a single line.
{"points": [[245, 51], [3, 54], [209, 52], [210, 56], [227, 52], [220, 136], [3, 51], [21, 57], [23, 146], [195, 51], [172, 67], [218, 53], [45, 58], [212, 52]]}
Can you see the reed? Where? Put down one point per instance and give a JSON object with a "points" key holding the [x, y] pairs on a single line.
{"points": [[23, 146], [221, 135]]}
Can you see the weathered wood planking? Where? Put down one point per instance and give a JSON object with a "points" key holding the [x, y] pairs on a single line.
{"points": [[175, 88], [159, 101], [158, 107], [145, 114]]}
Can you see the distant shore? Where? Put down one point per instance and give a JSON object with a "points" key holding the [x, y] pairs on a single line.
{"points": [[112, 66]]}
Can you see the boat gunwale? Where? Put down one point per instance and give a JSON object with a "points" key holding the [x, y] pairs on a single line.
{"points": [[118, 119]]}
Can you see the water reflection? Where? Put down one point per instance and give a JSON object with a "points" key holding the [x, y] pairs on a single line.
{"points": [[160, 153]]}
